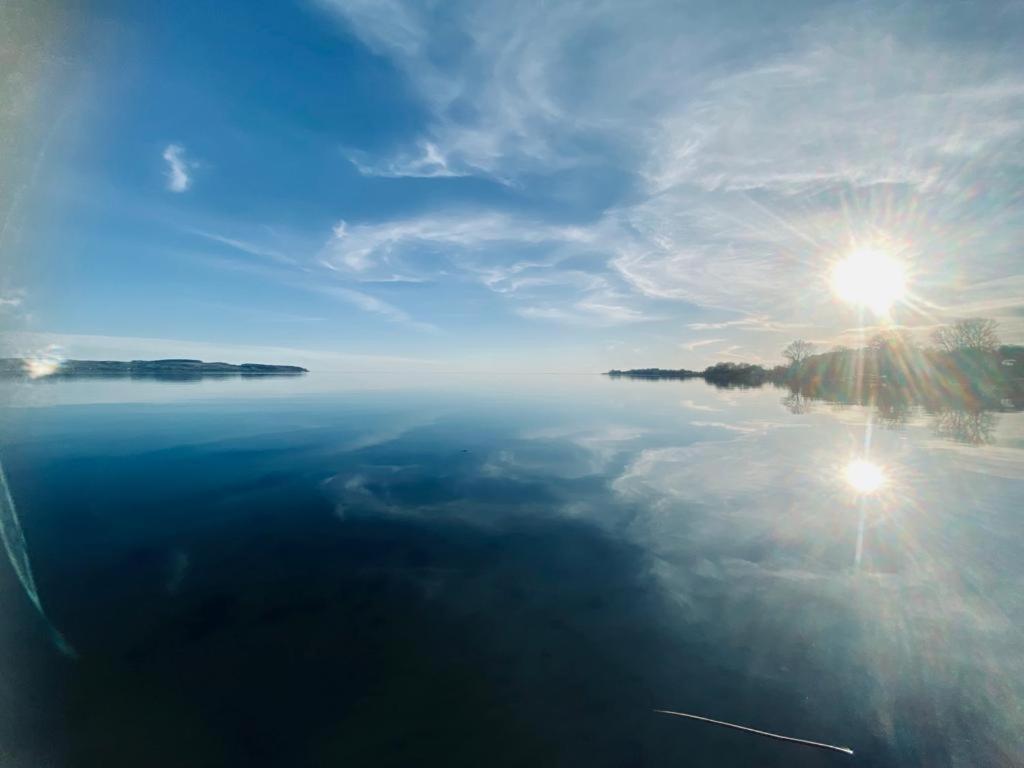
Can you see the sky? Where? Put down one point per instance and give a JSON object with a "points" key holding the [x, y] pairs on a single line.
{"points": [[559, 186]]}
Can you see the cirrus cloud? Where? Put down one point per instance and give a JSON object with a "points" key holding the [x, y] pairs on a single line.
{"points": [[178, 179]]}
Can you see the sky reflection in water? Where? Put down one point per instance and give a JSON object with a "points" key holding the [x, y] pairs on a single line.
{"points": [[505, 571]]}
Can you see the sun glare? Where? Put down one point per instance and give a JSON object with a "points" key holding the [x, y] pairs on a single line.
{"points": [[37, 367], [869, 278], [864, 476]]}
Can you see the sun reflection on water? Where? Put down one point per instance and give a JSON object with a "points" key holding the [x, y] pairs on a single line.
{"points": [[865, 477]]}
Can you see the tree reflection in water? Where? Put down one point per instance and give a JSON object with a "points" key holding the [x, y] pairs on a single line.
{"points": [[970, 427], [969, 420]]}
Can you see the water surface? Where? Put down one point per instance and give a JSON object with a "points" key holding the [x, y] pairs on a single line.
{"points": [[508, 570]]}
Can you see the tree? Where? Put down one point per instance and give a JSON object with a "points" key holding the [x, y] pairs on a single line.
{"points": [[974, 333], [895, 341], [894, 354], [798, 351]]}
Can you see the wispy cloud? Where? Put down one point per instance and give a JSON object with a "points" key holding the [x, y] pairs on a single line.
{"points": [[843, 77], [365, 247], [11, 299], [288, 272], [747, 155], [586, 313], [724, 425], [513, 101], [1002, 298], [691, 405], [488, 248], [426, 161], [830, 127], [372, 304], [178, 179], [823, 112], [759, 324], [245, 246], [692, 345]]}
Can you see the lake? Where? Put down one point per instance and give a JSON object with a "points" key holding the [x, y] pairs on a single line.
{"points": [[511, 570]]}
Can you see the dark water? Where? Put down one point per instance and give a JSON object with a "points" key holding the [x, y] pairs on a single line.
{"points": [[503, 571]]}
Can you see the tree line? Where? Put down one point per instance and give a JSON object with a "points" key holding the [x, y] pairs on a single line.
{"points": [[964, 357]]}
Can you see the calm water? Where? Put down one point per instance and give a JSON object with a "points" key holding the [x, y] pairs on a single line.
{"points": [[490, 571]]}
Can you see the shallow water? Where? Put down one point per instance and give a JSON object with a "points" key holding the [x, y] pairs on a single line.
{"points": [[503, 570]]}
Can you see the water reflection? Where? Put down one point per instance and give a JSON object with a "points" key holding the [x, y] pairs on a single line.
{"points": [[798, 403], [969, 427], [864, 476], [467, 578], [969, 419]]}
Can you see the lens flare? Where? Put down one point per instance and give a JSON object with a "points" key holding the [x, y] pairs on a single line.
{"points": [[43, 363], [863, 476], [870, 278], [37, 367]]}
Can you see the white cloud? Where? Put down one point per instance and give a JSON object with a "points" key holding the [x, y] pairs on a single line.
{"points": [[372, 304], [725, 425], [509, 93], [766, 147], [815, 94], [849, 103], [364, 247], [11, 300], [253, 249], [611, 310], [427, 161], [1002, 298], [759, 324], [485, 248], [586, 313], [178, 166], [693, 406], [677, 246], [692, 345]]}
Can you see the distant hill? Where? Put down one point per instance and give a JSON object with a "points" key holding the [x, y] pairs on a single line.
{"points": [[169, 368]]}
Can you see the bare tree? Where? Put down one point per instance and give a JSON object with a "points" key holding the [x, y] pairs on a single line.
{"points": [[971, 427], [798, 351], [797, 403], [896, 340], [975, 333]]}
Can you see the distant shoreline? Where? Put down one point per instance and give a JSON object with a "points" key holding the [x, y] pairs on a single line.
{"points": [[655, 373], [973, 376], [176, 368]]}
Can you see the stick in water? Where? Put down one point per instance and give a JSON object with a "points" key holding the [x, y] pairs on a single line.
{"points": [[805, 742]]}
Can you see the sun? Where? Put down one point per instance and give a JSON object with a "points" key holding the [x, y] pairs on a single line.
{"points": [[864, 476], [870, 278]]}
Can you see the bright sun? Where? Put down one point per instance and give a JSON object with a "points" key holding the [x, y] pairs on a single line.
{"points": [[864, 476], [869, 278]]}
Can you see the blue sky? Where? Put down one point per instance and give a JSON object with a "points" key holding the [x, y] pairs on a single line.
{"points": [[510, 185]]}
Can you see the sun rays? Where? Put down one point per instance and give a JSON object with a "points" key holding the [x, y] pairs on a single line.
{"points": [[865, 477], [870, 278]]}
